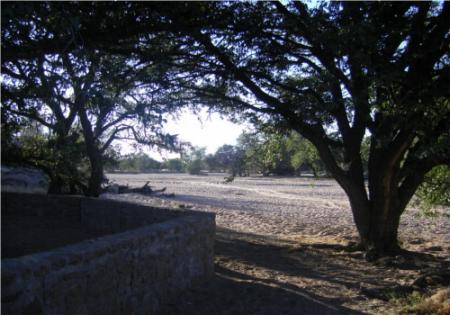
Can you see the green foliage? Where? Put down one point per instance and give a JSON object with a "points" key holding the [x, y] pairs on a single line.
{"points": [[194, 160], [139, 162], [194, 167], [250, 145], [62, 160], [275, 155], [270, 152], [303, 154], [365, 153], [174, 165], [227, 158], [435, 190]]}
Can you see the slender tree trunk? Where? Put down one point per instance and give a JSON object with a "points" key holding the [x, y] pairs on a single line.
{"points": [[313, 169], [94, 155], [96, 178], [57, 183], [96, 163], [55, 186]]}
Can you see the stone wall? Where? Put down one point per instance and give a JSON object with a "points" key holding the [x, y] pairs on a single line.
{"points": [[132, 271]]}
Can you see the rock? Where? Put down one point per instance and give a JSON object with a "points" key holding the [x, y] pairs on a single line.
{"points": [[416, 241], [24, 180], [435, 248], [434, 278], [114, 189], [386, 261]]}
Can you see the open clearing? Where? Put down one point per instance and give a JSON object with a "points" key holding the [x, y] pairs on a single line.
{"points": [[281, 247]]}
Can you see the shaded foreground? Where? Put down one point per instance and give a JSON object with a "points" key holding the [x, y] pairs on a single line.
{"points": [[282, 248], [253, 277], [262, 275]]}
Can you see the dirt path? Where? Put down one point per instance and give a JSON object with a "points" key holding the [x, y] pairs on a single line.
{"points": [[281, 248]]}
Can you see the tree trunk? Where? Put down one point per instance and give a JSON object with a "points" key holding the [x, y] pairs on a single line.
{"points": [[383, 229], [377, 222], [313, 169], [56, 184], [96, 163], [96, 177], [94, 154]]}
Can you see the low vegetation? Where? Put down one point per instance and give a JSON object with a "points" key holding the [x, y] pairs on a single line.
{"points": [[424, 304]]}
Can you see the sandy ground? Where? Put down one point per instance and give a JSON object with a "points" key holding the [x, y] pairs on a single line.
{"points": [[280, 246]]}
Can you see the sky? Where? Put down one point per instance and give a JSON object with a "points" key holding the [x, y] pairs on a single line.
{"points": [[208, 130]]}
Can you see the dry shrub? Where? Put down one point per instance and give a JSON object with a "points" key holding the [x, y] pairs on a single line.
{"points": [[438, 304]]}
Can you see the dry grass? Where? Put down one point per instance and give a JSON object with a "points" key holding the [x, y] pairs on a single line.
{"points": [[438, 304]]}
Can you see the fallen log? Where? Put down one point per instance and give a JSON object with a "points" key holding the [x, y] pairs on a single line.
{"points": [[228, 179], [144, 190]]}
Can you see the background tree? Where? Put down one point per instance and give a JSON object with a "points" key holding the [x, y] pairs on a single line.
{"points": [[174, 165], [434, 191], [271, 151], [303, 155], [212, 163], [229, 158], [194, 160], [137, 162]]}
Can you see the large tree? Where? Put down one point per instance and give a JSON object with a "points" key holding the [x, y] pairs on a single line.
{"points": [[102, 94], [336, 74]]}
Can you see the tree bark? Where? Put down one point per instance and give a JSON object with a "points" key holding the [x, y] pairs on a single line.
{"points": [[378, 235], [377, 221], [94, 154], [96, 177], [313, 169]]}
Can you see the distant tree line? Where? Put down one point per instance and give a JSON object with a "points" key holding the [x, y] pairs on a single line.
{"points": [[265, 152], [143, 163]]}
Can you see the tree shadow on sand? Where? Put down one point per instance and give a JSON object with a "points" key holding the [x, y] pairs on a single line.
{"points": [[329, 269], [235, 291], [231, 292], [260, 274]]}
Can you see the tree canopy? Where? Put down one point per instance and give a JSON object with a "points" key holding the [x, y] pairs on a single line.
{"points": [[335, 74], [102, 95]]}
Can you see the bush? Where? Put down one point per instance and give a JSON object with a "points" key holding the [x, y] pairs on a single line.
{"points": [[175, 165], [435, 190], [194, 167]]}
